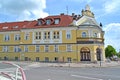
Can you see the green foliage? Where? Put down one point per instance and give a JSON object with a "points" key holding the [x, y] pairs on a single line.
{"points": [[110, 51], [118, 54]]}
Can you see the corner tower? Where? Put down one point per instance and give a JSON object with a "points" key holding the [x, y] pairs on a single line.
{"points": [[89, 37]]}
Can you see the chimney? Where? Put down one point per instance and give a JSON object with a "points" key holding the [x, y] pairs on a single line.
{"points": [[62, 14], [73, 14]]}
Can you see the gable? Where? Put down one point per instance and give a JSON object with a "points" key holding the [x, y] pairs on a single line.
{"points": [[85, 20]]}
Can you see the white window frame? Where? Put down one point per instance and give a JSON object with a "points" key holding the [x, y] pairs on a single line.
{"points": [[37, 35], [56, 48], [95, 35], [17, 37], [48, 35], [57, 21], [46, 48], [6, 37], [84, 35], [27, 36], [37, 48], [39, 22], [56, 35], [69, 48], [26, 48], [68, 34], [16, 48], [48, 21], [5, 48], [45, 35]]}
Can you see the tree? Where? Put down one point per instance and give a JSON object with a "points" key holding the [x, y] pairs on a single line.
{"points": [[118, 54], [110, 51]]}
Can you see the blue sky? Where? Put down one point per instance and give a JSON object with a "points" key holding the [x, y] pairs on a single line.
{"points": [[106, 11]]}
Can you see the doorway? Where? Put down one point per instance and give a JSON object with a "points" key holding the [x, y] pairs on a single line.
{"points": [[85, 54]]}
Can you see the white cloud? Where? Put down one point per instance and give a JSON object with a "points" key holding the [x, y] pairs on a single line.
{"points": [[24, 9], [112, 35], [85, 1], [111, 6]]}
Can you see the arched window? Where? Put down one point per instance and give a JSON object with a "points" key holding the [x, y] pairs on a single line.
{"points": [[95, 35], [84, 34]]}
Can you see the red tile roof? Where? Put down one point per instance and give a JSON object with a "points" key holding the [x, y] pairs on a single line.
{"points": [[65, 20], [12, 25]]}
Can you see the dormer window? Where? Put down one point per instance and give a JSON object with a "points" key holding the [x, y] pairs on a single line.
{"points": [[57, 21], [15, 27], [5, 27], [48, 22], [39, 22]]}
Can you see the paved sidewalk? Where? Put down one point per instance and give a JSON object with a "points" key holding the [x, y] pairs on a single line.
{"points": [[40, 64], [103, 64]]}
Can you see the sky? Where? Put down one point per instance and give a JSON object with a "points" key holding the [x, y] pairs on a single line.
{"points": [[106, 11]]}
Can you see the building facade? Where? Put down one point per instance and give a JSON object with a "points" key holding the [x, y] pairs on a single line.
{"points": [[60, 38]]}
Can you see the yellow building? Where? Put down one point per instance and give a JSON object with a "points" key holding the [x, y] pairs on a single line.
{"points": [[60, 38]]}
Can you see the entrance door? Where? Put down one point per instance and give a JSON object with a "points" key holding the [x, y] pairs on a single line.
{"points": [[26, 59], [85, 54], [5, 58], [37, 59], [46, 59], [16, 58]]}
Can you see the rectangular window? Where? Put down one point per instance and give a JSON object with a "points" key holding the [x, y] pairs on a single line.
{"points": [[37, 48], [27, 34], [57, 21], [68, 34], [6, 37], [17, 37], [46, 35], [69, 48], [48, 22], [56, 48], [37, 35], [26, 48], [46, 48], [5, 48], [16, 48], [39, 22], [56, 35]]}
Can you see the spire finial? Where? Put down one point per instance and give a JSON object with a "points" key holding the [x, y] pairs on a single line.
{"points": [[87, 7]]}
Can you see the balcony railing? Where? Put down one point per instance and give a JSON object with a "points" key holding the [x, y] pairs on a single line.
{"points": [[90, 40]]}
